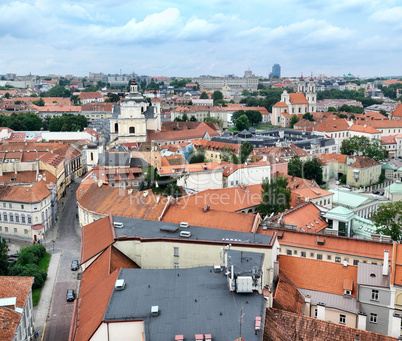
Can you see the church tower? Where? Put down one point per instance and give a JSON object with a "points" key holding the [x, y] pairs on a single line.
{"points": [[311, 95]]}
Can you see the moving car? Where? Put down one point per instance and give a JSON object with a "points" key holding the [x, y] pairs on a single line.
{"points": [[70, 295], [75, 265]]}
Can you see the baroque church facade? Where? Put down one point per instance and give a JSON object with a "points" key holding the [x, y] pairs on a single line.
{"points": [[135, 116], [305, 100]]}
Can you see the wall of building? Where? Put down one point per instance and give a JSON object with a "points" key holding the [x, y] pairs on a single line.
{"points": [[161, 254], [333, 315], [367, 176], [202, 181], [249, 176]]}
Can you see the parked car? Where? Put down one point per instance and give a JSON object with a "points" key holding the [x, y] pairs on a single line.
{"points": [[70, 295], [347, 186], [75, 265], [376, 192]]}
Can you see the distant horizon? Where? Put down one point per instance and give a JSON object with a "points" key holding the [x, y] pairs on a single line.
{"points": [[217, 37]]}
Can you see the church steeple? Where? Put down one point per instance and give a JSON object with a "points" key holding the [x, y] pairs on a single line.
{"points": [[133, 86]]}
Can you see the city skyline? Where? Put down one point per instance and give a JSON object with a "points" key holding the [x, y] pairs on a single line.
{"points": [[217, 37]]}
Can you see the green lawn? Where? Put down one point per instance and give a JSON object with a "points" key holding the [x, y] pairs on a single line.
{"points": [[43, 265]]}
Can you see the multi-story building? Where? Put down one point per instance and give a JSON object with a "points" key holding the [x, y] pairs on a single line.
{"points": [[219, 83], [25, 211], [16, 308], [276, 71]]}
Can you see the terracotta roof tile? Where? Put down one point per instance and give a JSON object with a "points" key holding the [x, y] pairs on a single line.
{"points": [[386, 124], [281, 105], [323, 276], [26, 177], [198, 132], [281, 325], [297, 98], [333, 124], [190, 168], [90, 95], [363, 162], [99, 231], [286, 295], [364, 129], [107, 200], [398, 111], [33, 194], [216, 146]]}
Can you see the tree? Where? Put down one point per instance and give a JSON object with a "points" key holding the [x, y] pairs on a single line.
{"points": [[242, 123], [114, 98], [310, 169], [361, 145], [190, 102], [215, 120], [275, 197], [193, 118], [245, 93], [39, 102], [68, 122], [308, 116], [295, 166], [245, 150], [197, 156], [217, 95], [383, 112], [293, 120], [204, 95], [237, 114], [57, 91], [3, 258], [388, 220], [7, 95], [143, 84], [331, 109], [254, 116], [75, 99]]}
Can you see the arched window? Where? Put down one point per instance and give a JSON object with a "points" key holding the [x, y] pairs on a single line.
{"points": [[116, 127], [132, 130]]}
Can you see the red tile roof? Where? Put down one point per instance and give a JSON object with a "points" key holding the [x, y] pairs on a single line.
{"points": [[197, 216], [27, 177], [190, 168], [364, 129], [386, 124], [333, 124], [91, 307], [363, 162], [33, 194], [297, 98], [90, 95], [281, 325], [107, 200], [322, 276], [216, 146], [10, 320], [398, 111], [286, 295], [388, 140], [281, 105], [328, 158], [230, 168], [100, 231]]}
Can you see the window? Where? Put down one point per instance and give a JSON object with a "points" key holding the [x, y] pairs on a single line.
{"points": [[176, 265], [29, 220], [295, 252], [5, 217], [355, 261], [289, 252], [10, 205], [373, 318], [303, 254], [11, 218], [15, 230], [319, 256], [311, 254], [176, 252], [1, 229], [132, 130], [315, 313], [35, 207], [4, 204], [6, 229], [342, 319], [337, 259], [374, 295], [23, 219], [26, 231], [17, 218]]}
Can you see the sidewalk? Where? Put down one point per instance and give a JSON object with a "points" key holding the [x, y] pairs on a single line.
{"points": [[41, 311]]}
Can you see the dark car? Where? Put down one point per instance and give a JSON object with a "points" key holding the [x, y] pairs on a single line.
{"points": [[75, 265], [70, 295], [376, 192]]}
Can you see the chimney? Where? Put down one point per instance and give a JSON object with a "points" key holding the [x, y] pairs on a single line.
{"points": [[385, 265], [307, 305], [361, 320], [321, 311]]}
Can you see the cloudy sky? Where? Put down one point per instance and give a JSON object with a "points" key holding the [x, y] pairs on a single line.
{"points": [[210, 37]]}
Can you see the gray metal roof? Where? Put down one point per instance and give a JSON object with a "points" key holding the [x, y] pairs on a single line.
{"points": [[245, 263], [191, 301], [344, 303], [152, 229], [371, 274], [114, 159]]}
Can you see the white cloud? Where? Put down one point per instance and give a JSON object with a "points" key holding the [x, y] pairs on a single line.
{"points": [[389, 16]]}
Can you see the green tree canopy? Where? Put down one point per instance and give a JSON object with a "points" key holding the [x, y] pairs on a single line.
{"points": [[204, 95], [91, 88], [39, 102], [197, 156], [310, 169], [57, 91], [308, 116], [217, 95], [245, 150], [3, 258], [180, 83], [114, 98], [275, 196], [215, 120], [293, 120], [68, 122], [242, 123], [7, 95], [388, 220], [361, 145], [193, 118]]}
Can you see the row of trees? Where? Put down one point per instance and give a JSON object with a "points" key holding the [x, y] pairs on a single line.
{"points": [[347, 94], [266, 99], [361, 145], [25, 265], [309, 169], [31, 122]]}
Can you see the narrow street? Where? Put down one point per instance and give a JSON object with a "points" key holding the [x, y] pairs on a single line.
{"points": [[68, 243]]}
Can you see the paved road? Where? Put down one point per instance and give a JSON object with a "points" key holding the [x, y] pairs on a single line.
{"points": [[69, 243]]}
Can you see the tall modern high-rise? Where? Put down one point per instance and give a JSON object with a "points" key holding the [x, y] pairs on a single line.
{"points": [[276, 71]]}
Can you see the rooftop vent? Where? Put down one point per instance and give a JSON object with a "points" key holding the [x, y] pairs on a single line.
{"points": [[217, 268], [120, 285], [154, 310]]}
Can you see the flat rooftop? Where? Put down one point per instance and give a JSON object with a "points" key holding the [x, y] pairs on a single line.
{"points": [[156, 229], [191, 301]]}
